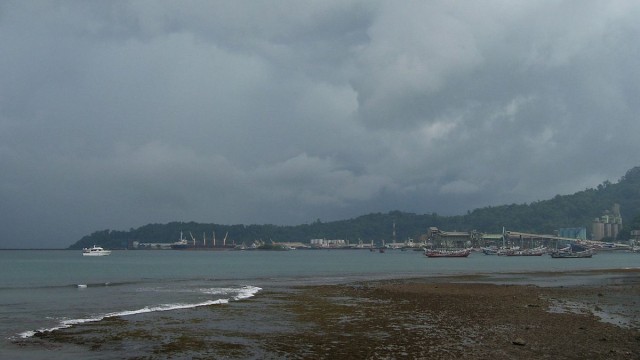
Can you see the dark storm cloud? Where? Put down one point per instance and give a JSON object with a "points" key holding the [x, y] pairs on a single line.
{"points": [[116, 114]]}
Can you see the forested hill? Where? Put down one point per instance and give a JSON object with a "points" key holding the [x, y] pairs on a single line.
{"points": [[576, 210]]}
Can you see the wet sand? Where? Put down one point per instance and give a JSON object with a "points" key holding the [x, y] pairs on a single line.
{"points": [[465, 317]]}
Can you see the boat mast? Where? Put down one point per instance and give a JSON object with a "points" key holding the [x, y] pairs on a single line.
{"points": [[394, 231]]}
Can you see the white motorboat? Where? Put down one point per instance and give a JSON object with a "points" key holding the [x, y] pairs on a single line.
{"points": [[95, 251]]}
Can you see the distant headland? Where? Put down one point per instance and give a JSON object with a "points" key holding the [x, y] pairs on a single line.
{"points": [[578, 210]]}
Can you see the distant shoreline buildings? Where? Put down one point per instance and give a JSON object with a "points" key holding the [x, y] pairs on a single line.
{"points": [[605, 228], [324, 243], [574, 233], [608, 225]]}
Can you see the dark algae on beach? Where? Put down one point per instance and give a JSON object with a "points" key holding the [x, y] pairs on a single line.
{"points": [[407, 320], [445, 318]]}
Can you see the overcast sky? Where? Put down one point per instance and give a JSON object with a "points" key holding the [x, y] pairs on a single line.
{"points": [[116, 114]]}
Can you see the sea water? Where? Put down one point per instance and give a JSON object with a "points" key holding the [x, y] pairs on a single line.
{"points": [[48, 290]]}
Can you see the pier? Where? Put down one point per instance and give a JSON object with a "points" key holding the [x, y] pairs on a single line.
{"points": [[516, 237]]}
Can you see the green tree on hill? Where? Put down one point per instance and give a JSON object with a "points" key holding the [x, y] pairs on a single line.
{"points": [[575, 210]]}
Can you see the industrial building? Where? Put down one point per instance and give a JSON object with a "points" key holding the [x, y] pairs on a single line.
{"points": [[608, 225], [573, 233]]}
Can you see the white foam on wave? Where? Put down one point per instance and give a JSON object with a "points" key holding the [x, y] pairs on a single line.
{"points": [[244, 292]]}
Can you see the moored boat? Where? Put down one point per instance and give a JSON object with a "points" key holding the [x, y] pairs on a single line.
{"points": [[181, 244], [539, 251], [572, 251], [95, 251], [490, 250], [433, 253], [571, 254], [504, 251]]}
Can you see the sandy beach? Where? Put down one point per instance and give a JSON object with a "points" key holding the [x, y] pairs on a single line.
{"points": [[463, 317]]}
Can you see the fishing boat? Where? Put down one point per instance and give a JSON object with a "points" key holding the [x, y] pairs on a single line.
{"points": [[505, 251], [433, 253], [539, 251], [95, 251], [572, 252], [490, 250]]}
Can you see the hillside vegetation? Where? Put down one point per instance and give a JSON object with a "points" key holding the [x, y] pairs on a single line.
{"points": [[576, 210]]}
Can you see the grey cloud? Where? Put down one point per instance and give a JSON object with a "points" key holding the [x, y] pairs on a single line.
{"points": [[116, 114]]}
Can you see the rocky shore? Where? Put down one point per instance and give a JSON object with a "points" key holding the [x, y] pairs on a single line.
{"points": [[414, 319], [471, 317]]}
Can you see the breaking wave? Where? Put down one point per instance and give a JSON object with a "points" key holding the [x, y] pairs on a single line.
{"points": [[236, 294]]}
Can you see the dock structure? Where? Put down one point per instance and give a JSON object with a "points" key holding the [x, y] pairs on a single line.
{"points": [[464, 239], [540, 237], [552, 240], [452, 239]]}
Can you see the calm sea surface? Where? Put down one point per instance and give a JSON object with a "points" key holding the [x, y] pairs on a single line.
{"points": [[46, 290]]}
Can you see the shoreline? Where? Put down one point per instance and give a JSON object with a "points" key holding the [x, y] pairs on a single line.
{"points": [[466, 316]]}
